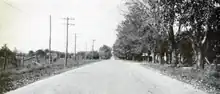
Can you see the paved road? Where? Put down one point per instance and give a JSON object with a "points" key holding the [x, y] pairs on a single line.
{"points": [[108, 77]]}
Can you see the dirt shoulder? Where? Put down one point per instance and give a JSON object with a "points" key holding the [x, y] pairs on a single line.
{"points": [[200, 79]]}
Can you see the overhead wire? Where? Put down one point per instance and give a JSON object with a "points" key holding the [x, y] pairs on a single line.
{"points": [[14, 7]]}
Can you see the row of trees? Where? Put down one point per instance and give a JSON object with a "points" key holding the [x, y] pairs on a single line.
{"points": [[103, 53], [174, 31], [8, 57]]}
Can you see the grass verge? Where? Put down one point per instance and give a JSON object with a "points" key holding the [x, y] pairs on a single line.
{"points": [[207, 80], [28, 76]]}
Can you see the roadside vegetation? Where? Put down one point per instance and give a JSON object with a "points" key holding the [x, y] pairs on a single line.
{"points": [[179, 37], [18, 69]]}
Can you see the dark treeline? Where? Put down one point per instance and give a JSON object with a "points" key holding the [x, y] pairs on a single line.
{"points": [[176, 32], [103, 53]]}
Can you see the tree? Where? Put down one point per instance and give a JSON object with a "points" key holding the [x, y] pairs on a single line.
{"points": [[5, 80], [197, 13], [81, 54], [185, 48], [46, 51], [31, 53], [150, 25], [93, 55], [137, 33], [213, 39], [8, 55], [40, 52], [105, 52]]}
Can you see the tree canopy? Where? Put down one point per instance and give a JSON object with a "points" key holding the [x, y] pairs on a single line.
{"points": [[183, 31], [105, 52]]}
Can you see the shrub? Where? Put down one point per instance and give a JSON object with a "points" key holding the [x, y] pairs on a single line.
{"points": [[212, 78], [5, 82]]}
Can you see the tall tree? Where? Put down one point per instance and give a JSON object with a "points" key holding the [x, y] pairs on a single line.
{"points": [[31, 53], [105, 52]]}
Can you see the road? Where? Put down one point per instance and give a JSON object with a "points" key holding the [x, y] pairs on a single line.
{"points": [[109, 77]]}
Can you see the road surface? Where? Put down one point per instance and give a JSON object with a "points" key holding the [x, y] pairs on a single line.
{"points": [[108, 77]]}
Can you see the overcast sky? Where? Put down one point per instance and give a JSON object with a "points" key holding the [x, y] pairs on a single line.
{"points": [[24, 24]]}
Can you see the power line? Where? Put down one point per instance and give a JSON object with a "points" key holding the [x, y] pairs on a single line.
{"points": [[9, 4], [14, 7]]}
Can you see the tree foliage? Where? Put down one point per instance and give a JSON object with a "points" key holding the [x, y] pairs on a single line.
{"points": [[92, 55], [183, 31], [105, 52], [31, 53], [7, 57], [41, 53]]}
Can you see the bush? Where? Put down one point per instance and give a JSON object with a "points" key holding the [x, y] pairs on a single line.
{"points": [[93, 55], [5, 82], [212, 79]]}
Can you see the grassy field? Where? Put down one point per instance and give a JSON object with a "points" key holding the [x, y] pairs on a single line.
{"points": [[23, 75]]}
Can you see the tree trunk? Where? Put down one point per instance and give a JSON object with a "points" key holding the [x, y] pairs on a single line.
{"points": [[5, 63], [170, 57], [177, 57], [200, 59], [133, 58], [180, 58], [167, 58], [216, 63], [174, 58], [157, 58], [154, 57], [161, 59]]}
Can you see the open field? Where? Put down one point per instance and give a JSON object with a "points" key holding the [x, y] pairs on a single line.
{"points": [[23, 75]]}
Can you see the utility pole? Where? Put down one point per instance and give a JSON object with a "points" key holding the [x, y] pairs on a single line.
{"points": [[67, 34], [85, 57], [86, 47], [50, 43], [75, 46], [93, 48], [93, 45]]}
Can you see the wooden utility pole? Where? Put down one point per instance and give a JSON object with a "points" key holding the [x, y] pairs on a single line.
{"points": [[93, 48], [67, 34], [85, 55], [86, 46], [75, 46], [50, 43]]}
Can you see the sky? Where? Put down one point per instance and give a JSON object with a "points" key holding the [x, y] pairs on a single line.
{"points": [[24, 24]]}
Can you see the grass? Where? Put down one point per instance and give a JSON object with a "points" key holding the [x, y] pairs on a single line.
{"points": [[5, 82], [30, 75], [207, 80]]}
